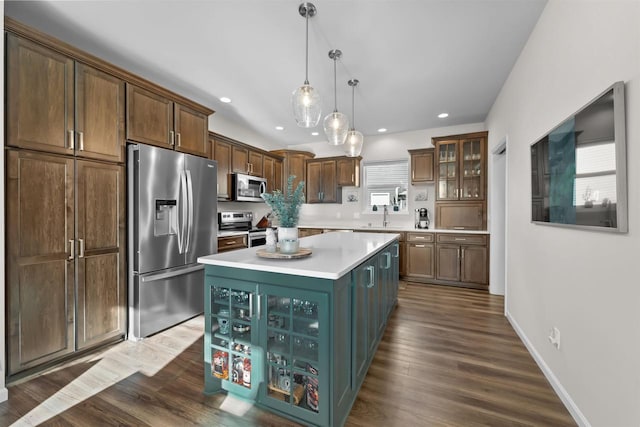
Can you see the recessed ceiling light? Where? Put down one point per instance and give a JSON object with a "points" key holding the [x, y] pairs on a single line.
{"points": [[443, 115], [279, 128], [315, 133], [225, 100], [381, 130]]}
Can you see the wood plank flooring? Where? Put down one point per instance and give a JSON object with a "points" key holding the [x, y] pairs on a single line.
{"points": [[448, 358]]}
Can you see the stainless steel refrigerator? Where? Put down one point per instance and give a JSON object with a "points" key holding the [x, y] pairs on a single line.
{"points": [[172, 220]]}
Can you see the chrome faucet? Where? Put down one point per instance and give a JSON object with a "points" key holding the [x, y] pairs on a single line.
{"points": [[385, 216]]}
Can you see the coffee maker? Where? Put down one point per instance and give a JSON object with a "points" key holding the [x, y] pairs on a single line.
{"points": [[422, 218]]}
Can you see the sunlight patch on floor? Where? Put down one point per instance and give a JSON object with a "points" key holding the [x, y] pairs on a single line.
{"points": [[148, 357]]}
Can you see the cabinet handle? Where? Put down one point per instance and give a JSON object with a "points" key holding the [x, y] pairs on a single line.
{"points": [[353, 177], [81, 134], [230, 243], [458, 228], [81, 254], [419, 237], [70, 139], [461, 239], [397, 246], [259, 306], [72, 249], [178, 137], [462, 249], [388, 255], [413, 175], [458, 254], [171, 138], [419, 246], [251, 305], [372, 273]]}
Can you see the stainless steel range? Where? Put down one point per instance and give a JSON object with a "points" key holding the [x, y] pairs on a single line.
{"points": [[241, 221]]}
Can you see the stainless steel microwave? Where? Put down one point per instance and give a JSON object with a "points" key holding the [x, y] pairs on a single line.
{"points": [[247, 188]]}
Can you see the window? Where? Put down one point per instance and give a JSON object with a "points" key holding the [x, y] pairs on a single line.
{"points": [[386, 183]]}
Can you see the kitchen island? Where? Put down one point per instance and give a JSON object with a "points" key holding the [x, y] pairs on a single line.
{"points": [[297, 336]]}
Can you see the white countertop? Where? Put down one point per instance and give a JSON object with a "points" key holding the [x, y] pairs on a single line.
{"points": [[334, 255], [390, 229]]}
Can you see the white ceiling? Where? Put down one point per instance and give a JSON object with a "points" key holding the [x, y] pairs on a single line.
{"points": [[414, 58]]}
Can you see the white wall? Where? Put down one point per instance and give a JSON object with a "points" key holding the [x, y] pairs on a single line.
{"points": [[219, 124], [585, 283], [378, 148], [3, 391]]}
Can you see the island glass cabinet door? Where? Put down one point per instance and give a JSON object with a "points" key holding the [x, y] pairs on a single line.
{"points": [[232, 362], [294, 333]]}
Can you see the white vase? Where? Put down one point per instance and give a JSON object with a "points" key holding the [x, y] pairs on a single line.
{"points": [[288, 239]]}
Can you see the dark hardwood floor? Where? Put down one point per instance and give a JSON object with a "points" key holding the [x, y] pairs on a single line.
{"points": [[448, 358]]}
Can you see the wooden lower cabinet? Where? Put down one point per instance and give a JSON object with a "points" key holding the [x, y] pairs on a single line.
{"points": [[101, 277], [230, 243], [461, 216], [55, 270], [420, 260], [462, 259]]}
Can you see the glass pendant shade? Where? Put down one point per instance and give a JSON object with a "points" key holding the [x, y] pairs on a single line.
{"points": [[353, 143], [336, 126], [307, 106]]}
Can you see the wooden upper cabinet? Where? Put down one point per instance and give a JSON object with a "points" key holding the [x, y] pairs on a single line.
{"points": [[422, 165], [191, 129], [222, 154], [149, 117], [40, 97], [40, 258], [240, 159], [101, 223], [322, 184], [99, 115], [461, 168], [348, 171], [272, 172], [256, 163], [461, 216]]}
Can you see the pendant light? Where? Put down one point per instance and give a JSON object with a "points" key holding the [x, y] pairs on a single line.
{"points": [[354, 141], [336, 124], [305, 100]]}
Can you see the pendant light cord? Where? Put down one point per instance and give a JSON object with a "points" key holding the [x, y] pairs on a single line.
{"points": [[306, 65], [353, 109], [335, 87]]}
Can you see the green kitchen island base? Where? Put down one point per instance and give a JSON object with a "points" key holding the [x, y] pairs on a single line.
{"points": [[297, 336]]}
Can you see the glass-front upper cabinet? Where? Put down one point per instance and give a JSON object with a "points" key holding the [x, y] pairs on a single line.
{"points": [[295, 367], [232, 328], [447, 158], [461, 169], [472, 169]]}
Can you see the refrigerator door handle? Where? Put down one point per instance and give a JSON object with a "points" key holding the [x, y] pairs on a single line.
{"points": [[189, 209], [167, 275], [183, 217]]}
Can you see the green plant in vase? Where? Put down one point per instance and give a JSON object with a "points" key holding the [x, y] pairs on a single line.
{"points": [[286, 208]]}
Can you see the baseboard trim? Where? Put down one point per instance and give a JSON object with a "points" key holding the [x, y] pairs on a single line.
{"points": [[562, 393], [4, 394]]}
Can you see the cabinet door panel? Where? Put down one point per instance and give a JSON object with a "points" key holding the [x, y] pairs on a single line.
{"points": [[191, 131], [268, 171], [240, 159], [298, 168], [314, 182], [330, 191], [149, 117], [101, 270], [348, 172], [222, 154], [461, 216], [422, 167], [99, 115], [256, 160], [277, 176], [420, 260], [474, 264], [40, 276], [448, 259], [40, 93]]}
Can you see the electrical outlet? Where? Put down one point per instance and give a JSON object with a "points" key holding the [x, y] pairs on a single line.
{"points": [[554, 337]]}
